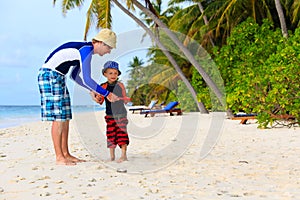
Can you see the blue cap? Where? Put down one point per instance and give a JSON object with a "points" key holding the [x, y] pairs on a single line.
{"points": [[112, 65]]}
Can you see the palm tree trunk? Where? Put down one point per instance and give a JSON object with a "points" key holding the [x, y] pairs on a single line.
{"points": [[200, 106], [205, 21], [281, 18], [186, 52], [229, 112]]}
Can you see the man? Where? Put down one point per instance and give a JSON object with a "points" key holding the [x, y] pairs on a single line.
{"points": [[55, 100]]}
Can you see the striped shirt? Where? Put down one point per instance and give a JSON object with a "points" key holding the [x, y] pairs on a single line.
{"points": [[78, 56]]}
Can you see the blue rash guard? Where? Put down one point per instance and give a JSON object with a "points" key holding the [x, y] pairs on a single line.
{"points": [[78, 56]]}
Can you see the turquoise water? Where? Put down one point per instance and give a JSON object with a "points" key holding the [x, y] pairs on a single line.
{"points": [[17, 115]]}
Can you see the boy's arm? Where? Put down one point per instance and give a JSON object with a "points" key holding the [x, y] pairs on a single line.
{"points": [[124, 95]]}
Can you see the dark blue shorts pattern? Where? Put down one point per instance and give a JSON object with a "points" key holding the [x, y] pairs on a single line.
{"points": [[55, 98]]}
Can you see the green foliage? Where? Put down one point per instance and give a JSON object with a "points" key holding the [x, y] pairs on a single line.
{"points": [[144, 94], [201, 89], [261, 71], [187, 102], [158, 82]]}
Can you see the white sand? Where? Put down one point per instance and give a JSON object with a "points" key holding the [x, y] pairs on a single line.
{"points": [[169, 158]]}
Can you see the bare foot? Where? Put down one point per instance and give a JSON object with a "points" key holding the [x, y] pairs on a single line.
{"points": [[122, 159], [65, 162], [74, 159], [109, 160]]}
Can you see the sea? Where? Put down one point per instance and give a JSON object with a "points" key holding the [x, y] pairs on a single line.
{"points": [[17, 115]]}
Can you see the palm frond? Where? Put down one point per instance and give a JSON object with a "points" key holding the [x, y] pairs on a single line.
{"points": [[89, 20], [296, 12], [130, 5], [69, 4], [104, 18]]}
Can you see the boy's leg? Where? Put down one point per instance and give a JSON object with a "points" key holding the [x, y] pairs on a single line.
{"points": [[122, 137], [57, 132], [65, 145], [124, 155], [112, 153], [111, 136]]}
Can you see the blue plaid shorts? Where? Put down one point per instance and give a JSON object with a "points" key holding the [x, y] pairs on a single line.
{"points": [[55, 98]]}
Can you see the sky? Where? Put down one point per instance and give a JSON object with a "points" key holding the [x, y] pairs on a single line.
{"points": [[31, 29]]}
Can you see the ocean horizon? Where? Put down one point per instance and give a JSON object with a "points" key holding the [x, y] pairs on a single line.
{"points": [[15, 115]]}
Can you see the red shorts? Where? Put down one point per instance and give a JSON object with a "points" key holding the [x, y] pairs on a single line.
{"points": [[116, 131]]}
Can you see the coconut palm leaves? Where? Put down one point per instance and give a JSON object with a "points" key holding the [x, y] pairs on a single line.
{"points": [[98, 14], [69, 5]]}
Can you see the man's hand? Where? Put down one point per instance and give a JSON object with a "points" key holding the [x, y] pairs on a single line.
{"points": [[96, 97]]}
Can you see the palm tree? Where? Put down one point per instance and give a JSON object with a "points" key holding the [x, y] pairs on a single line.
{"points": [[291, 10], [205, 22], [135, 73], [224, 15], [185, 51], [196, 22], [281, 18], [201, 107], [135, 68], [295, 16], [94, 8]]}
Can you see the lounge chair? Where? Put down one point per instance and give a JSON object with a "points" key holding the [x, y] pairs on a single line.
{"points": [[280, 118], [283, 120], [170, 108], [149, 107], [244, 117], [159, 106]]}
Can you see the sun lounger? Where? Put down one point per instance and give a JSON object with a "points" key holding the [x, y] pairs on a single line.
{"points": [[277, 120], [244, 117], [170, 108], [283, 120], [149, 107]]}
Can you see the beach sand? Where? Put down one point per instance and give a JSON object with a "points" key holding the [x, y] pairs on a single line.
{"points": [[192, 156]]}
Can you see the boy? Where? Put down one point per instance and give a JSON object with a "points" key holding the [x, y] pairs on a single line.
{"points": [[116, 113], [55, 100]]}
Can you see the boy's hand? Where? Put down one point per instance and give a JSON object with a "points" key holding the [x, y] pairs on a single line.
{"points": [[125, 99], [112, 97]]}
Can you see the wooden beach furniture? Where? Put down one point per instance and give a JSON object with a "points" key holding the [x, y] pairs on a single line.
{"points": [[283, 120], [244, 117], [170, 108]]}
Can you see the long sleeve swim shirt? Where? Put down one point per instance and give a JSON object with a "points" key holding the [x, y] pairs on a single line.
{"points": [[76, 56]]}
